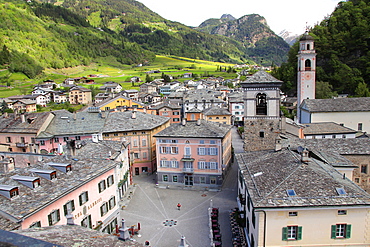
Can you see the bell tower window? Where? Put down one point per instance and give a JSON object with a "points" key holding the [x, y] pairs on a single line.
{"points": [[261, 107], [307, 65]]}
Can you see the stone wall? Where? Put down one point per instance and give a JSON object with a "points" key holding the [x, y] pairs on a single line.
{"points": [[261, 133]]}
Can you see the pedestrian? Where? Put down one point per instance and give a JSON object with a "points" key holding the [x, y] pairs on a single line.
{"points": [[178, 206]]}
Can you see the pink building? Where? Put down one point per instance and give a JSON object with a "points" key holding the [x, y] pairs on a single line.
{"points": [[82, 188], [67, 126], [193, 154]]}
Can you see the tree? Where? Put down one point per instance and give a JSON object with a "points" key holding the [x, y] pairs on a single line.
{"points": [[324, 90], [148, 78], [362, 90]]}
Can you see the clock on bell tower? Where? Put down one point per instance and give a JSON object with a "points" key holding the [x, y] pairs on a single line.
{"points": [[306, 71]]}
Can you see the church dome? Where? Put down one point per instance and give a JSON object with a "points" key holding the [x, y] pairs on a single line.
{"points": [[306, 36]]}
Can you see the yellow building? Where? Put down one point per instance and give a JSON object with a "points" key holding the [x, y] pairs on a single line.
{"points": [[217, 114], [287, 198], [137, 128], [119, 102]]}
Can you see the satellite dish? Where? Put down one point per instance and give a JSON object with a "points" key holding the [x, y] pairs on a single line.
{"points": [[300, 149]]}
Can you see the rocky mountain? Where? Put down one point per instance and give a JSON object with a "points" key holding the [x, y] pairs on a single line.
{"points": [[253, 32], [289, 37]]}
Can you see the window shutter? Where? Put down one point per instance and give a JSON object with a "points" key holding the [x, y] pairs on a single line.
{"points": [[299, 235], [199, 165], [50, 220], [73, 205], [208, 151], [101, 210], [80, 199], [216, 151], [58, 215], [65, 209], [348, 231], [87, 196], [198, 150], [168, 150], [285, 233], [333, 231]]}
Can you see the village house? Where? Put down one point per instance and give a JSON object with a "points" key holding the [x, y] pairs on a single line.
{"points": [[319, 130], [24, 105], [111, 87], [148, 88], [324, 208], [236, 107], [19, 131], [66, 126], [201, 99], [119, 102], [167, 109], [193, 154], [138, 128], [80, 95], [131, 93], [217, 115], [353, 113], [82, 188]]}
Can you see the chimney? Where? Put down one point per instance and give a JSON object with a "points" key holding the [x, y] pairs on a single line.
{"points": [[5, 114], [74, 116], [133, 116], [304, 156], [183, 122], [123, 232], [278, 144], [198, 122], [23, 118]]}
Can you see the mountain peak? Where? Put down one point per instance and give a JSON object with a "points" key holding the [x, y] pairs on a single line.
{"points": [[228, 17]]}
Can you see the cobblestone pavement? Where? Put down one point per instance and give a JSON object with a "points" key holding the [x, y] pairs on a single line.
{"points": [[162, 224]]}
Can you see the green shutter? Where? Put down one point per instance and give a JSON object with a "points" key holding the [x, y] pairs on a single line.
{"points": [[348, 231], [333, 231], [80, 199], [299, 236], [58, 215], [285, 233], [65, 209], [87, 196], [73, 205], [50, 220]]}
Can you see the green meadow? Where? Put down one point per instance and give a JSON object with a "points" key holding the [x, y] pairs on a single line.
{"points": [[108, 69]]}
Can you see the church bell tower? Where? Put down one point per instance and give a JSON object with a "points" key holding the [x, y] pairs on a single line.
{"points": [[306, 71], [262, 122]]}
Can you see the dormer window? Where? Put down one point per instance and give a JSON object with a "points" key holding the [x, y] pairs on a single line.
{"points": [[30, 182], [9, 191], [47, 174], [63, 167]]}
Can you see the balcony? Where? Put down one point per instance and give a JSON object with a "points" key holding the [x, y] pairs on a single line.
{"points": [[187, 157], [190, 170], [21, 144]]}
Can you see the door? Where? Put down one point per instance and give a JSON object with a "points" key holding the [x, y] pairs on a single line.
{"points": [[137, 171], [189, 180]]}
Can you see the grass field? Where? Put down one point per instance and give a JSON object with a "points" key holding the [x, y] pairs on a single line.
{"points": [[108, 69]]}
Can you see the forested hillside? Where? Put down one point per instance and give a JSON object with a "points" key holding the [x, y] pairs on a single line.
{"points": [[343, 57], [35, 36], [136, 23]]}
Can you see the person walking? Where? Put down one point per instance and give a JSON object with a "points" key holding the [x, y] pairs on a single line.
{"points": [[178, 206]]}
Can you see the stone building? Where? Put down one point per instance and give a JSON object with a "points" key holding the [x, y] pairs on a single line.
{"points": [[262, 122]]}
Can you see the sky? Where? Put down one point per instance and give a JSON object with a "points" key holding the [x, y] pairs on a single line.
{"points": [[291, 15]]}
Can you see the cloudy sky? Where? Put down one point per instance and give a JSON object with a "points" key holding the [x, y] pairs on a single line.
{"points": [[291, 15]]}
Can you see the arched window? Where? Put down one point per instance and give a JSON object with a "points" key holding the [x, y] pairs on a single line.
{"points": [[308, 46], [261, 106], [307, 65]]}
